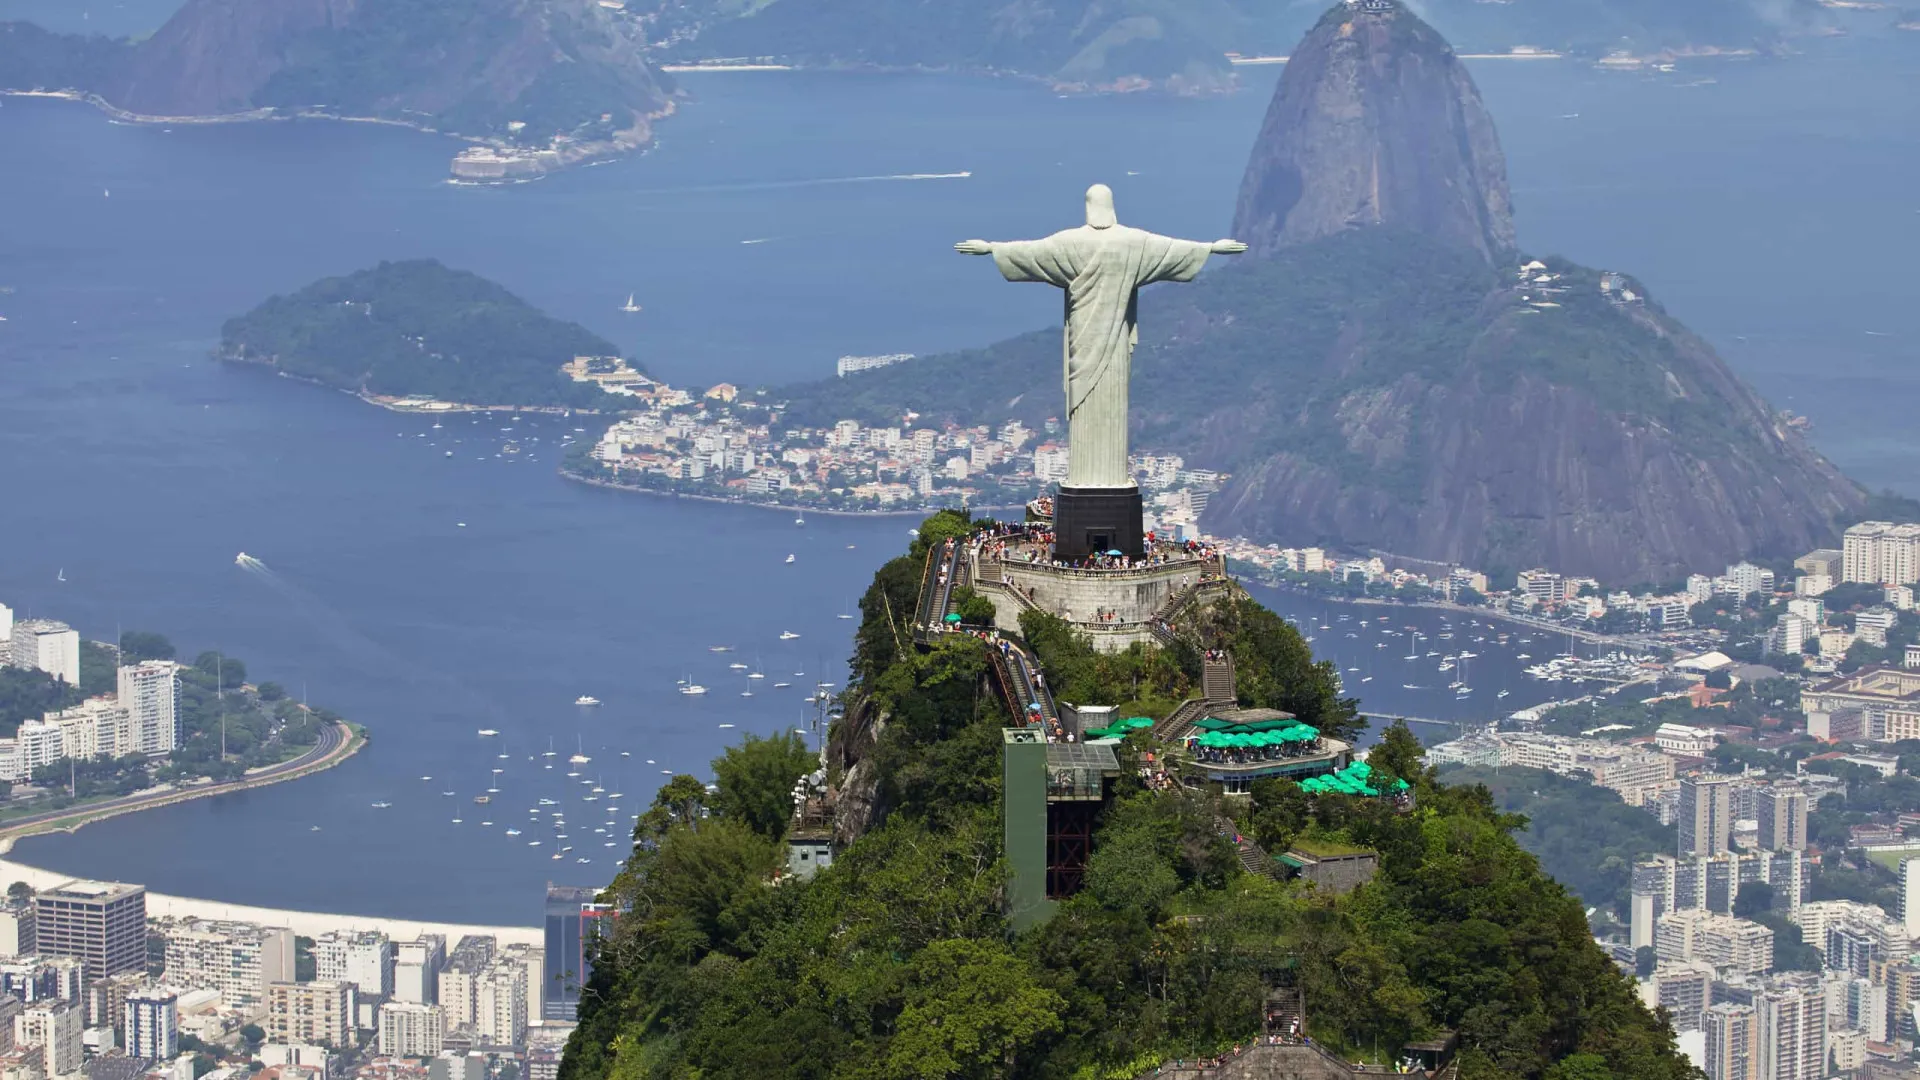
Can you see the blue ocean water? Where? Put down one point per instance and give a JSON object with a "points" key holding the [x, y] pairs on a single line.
{"points": [[1768, 207]]}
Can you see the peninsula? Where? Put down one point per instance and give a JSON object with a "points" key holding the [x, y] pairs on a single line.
{"points": [[535, 84], [90, 731]]}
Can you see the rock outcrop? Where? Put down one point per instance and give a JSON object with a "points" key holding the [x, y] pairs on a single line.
{"points": [[1376, 122]]}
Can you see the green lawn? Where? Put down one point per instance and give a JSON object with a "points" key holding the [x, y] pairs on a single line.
{"points": [[1892, 857]]}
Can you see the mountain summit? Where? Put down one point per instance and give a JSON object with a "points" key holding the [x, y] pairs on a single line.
{"points": [[1376, 122]]}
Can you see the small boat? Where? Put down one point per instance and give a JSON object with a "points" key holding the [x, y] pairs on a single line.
{"points": [[746, 693], [630, 307], [548, 802], [755, 675], [533, 843], [1503, 693], [781, 685], [381, 805], [313, 828], [456, 821], [483, 799], [737, 666], [449, 793], [788, 635], [723, 727], [426, 778], [586, 699], [487, 733], [800, 519], [513, 832], [693, 688], [719, 648], [789, 558]]}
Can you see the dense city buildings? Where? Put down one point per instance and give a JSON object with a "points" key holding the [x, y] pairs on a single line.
{"points": [[104, 924]]}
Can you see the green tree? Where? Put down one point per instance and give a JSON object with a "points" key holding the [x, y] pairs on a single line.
{"points": [[680, 801], [971, 1008], [1645, 959], [1397, 756], [19, 892], [138, 645], [754, 781], [254, 1034], [1753, 898], [1580, 1067]]}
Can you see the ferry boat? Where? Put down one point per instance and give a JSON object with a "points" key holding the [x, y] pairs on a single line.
{"points": [[586, 699]]}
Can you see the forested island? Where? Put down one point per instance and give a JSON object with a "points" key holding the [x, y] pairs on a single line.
{"points": [[897, 961], [418, 329]]}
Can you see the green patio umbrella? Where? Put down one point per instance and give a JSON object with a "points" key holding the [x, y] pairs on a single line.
{"points": [[953, 617]]}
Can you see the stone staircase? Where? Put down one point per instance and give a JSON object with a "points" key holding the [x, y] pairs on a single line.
{"points": [[1216, 679], [1252, 858]]}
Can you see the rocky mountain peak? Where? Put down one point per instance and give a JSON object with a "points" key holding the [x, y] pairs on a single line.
{"points": [[1376, 122]]}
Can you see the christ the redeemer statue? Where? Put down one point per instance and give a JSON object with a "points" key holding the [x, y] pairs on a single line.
{"points": [[1101, 266]]}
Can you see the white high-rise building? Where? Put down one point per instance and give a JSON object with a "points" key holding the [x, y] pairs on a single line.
{"points": [[153, 1024], [411, 1029], [150, 692], [364, 959], [500, 1005], [49, 646], [55, 1027], [240, 960], [1732, 1042], [1910, 896], [6, 631], [416, 969], [1880, 552], [1791, 1017]]}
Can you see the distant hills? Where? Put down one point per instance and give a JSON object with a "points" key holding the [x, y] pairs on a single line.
{"points": [[516, 72], [417, 328], [1179, 44], [1378, 374]]}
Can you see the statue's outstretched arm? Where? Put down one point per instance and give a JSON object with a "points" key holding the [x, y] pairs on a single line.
{"points": [[1228, 247], [973, 247]]}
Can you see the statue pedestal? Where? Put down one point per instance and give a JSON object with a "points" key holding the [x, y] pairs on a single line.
{"points": [[1089, 521]]}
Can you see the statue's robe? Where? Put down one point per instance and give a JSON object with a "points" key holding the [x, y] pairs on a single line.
{"points": [[1101, 271]]}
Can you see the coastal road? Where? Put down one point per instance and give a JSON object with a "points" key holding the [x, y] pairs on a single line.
{"points": [[337, 743]]}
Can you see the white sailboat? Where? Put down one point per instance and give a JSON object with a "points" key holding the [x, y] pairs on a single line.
{"points": [[630, 307]]}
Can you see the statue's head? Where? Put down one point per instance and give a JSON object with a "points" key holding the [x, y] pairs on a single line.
{"points": [[1100, 207]]}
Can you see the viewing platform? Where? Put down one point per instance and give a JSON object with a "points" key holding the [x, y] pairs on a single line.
{"points": [[1115, 600]]}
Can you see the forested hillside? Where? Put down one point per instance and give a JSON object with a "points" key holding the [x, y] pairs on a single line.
{"points": [[897, 962]]}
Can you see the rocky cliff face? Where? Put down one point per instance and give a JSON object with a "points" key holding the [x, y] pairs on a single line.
{"points": [[1573, 430], [1375, 122], [473, 68]]}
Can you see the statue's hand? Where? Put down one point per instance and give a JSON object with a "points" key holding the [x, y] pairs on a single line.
{"points": [[973, 247], [1228, 247]]}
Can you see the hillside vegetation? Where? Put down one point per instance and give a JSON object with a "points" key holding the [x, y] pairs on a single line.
{"points": [[896, 961]]}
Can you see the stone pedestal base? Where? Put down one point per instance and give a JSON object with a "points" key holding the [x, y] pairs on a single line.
{"points": [[1089, 521]]}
